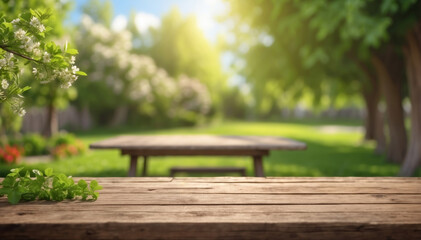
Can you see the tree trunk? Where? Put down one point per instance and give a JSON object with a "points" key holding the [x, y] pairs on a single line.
{"points": [[412, 52], [52, 121], [3, 136], [390, 85], [85, 118], [120, 116], [374, 122]]}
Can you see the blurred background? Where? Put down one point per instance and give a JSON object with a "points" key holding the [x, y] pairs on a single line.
{"points": [[342, 76]]}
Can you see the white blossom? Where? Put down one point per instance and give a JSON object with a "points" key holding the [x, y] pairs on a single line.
{"points": [[46, 57], [37, 24], [4, 84], [20, 35], [8, 56], [72, 59], [34, 71], [21, 112], [15, 21], [74, 69], [3, 63]]}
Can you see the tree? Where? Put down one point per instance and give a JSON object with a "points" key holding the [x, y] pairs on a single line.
{"points": [[412, 51], [23, 39], [128, 82], [49, 95], [316, 35], [180, 47]]}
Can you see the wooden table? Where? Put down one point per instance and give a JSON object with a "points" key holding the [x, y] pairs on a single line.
{"points": [[226, 208], [197, 145]]}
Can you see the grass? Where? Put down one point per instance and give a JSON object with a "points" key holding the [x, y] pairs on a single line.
{"points": [[337, 153]]}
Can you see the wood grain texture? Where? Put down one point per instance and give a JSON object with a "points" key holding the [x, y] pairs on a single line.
{"points": [[226, 208]]}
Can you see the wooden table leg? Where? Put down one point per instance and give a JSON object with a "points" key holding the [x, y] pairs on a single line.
{"points": [[258, 166], [145, 166], [133, 166]]}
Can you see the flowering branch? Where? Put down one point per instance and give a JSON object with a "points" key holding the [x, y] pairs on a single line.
{"points": [[5, 47], [25, 37]]}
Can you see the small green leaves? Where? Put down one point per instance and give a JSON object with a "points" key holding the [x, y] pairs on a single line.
{"points": [[14, 197], [72, 51], [49, 186], [80, 73], [82, 183], [48, 172]]}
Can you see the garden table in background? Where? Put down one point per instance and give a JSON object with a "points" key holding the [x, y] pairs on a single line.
{"points": [[197, 145], [226, 208]]}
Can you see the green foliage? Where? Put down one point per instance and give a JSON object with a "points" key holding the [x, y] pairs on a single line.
{"points": [[10, 123], [309, 47], [181, 48], [23, 39], [100, 11], [34, 144], [49, 186], [65, 145], [131, 85], [62, 138]]}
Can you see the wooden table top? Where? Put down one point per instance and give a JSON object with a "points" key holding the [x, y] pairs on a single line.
{"points": [[198, 142], [226, 208]]}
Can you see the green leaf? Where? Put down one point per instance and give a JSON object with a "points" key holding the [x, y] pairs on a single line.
{"points": [[14, 197], [94, 184], [80, 73], [16, 170], [4, 191], [82, 183], [95, 195], [48, 172], [56, 187], [33, 12], [9, 181], [72, 51]]}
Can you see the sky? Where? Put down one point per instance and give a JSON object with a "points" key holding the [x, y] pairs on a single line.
{"points": [[150, 11]]}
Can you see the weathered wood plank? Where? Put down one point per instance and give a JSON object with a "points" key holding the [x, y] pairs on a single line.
{"points": [[227, 179], [205, 231], [215, 214], [268, 188], [253, 199], [45, 209], [222, 208]]}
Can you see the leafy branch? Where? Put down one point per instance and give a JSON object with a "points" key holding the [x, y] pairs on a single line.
{"points": [[7, 49], [46, 186]]}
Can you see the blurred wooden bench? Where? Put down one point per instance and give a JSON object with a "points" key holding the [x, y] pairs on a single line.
{"points": [[255, 147]]}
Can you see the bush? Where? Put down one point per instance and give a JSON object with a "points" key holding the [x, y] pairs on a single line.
{"points": [[62, 138], [10, 154], [34, 144], [66, 145]]}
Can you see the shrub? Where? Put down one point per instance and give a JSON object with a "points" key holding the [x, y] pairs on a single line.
{"points": [[66, 145], [10, 154], [34, 144], [62, 138]]}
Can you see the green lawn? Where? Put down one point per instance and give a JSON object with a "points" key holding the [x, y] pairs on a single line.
{"points": [[331, 152]]}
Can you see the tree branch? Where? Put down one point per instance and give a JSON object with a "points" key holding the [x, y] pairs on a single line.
{"points": [[5, 47]]}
